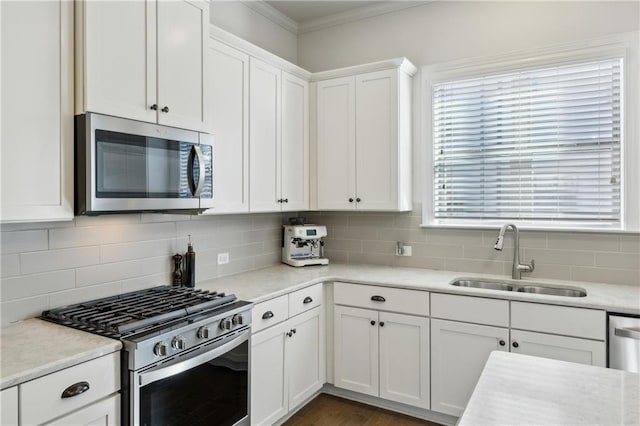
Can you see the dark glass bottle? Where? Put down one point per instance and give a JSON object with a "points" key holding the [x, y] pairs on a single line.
{"points": [[189, 279]]}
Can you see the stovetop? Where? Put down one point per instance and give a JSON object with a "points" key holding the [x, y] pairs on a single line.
{"points": [[129, 314]]}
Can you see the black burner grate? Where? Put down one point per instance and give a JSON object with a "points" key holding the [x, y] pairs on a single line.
{"points": [[130, 313]]}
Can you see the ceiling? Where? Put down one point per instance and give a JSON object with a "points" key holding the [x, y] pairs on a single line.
{"points": [[304, 11]]}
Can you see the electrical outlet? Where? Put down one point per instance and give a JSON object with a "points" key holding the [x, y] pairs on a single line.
{"points": [[405, 251], [223, 258]]}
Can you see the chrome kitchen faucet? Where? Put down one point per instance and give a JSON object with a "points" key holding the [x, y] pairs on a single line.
{"points": [[517, 268]]}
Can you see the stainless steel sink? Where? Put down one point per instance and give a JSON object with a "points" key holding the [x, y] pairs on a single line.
{"points": [[553, 291], [491, 285], [525, 287]]}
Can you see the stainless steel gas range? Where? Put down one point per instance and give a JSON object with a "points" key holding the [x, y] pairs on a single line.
{"points": [[185, 357]]}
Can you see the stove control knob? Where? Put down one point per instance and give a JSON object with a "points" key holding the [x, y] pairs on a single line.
{"points": [[203, 332], [160, 349], [226, 324], [238, 319], [178, 342]]}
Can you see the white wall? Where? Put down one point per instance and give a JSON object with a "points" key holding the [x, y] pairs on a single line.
{"points": [[237, 18]]}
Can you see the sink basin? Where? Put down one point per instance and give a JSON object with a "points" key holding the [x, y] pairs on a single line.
{"points": [[525, 287], [553, 291], [491, 285]]}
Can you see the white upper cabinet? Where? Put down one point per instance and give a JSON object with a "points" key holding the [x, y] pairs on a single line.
{"points": [[229, 99], [37, 111], [264, 136], [278, 139], [363, 137], [144, 60], [336, 143], [294, 152]]}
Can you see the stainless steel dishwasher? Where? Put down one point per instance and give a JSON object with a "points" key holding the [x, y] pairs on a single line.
{"points": [[624, 343]]}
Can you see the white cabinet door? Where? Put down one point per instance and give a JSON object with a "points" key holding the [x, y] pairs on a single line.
{"points": [[377, 140], [304, 356], [336, 144], [269, 385], [102, 413], [264, 137], [582, 351], [356, 349], [404, 359], [9, 407], [36, 139], [459, 352], [116, 58], [229, 98], [294, 165], [182, 66]]}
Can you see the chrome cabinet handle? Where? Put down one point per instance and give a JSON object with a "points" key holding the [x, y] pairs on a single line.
{"points": [[307, 300], [631, 333], [75, 390], [267, 315], [196, 188], [378, 299]]}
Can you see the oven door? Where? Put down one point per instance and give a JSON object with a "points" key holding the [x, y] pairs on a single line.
{"points": [[207, 386]]}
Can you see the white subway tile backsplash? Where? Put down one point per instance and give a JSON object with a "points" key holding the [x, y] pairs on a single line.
{"points": [[618, 260], [37, 284], [542, 270], [107, 220], [436, 250], [15, 310], [21, 241], [346, 245], [100, 235], [9, 265], [139, 250], [454, 236], [405, 235], [109, 272], [583, 241], [54, 260], [420, 262], [560, 257], [477, 266], [78, 295], [630, 243], [8, 227], [371, 258], [355, 233], [606, 275]]}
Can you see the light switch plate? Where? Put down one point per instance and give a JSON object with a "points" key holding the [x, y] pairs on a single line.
{"points": [[223, 258]]}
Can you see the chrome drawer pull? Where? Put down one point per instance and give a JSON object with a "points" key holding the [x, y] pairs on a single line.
{"points": [[267, 315], [75, 389], [307, 300], [632, 333], [378, 299]]}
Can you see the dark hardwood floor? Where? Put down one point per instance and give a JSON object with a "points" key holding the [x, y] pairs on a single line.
{"points": [[328, 410]]}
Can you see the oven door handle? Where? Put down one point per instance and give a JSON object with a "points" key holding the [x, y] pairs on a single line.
{"points": [[172, 370]]}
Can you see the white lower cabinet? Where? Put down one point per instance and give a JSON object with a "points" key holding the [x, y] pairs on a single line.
{"points": [[9, 406], [102, 413], [286, 366], [382, 354], [458, 354], [572, 349]]}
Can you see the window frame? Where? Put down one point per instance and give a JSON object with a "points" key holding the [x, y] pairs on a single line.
{"points": [[624, 46]]}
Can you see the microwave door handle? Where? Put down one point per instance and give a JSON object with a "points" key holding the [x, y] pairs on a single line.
{"points": [[172, 370], [196, 189]]}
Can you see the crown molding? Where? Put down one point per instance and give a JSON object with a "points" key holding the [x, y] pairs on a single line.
{"points": [[402, 64], [356, 15], [272, 14]]}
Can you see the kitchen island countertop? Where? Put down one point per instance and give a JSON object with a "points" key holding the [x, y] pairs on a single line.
{"points": [[517, 389]]}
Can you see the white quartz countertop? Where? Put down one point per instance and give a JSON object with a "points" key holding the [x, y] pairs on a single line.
{"points": [[519, 389], [34, 348], [267, 283]]}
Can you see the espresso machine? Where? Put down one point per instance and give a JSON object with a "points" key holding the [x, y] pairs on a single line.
{"points": [[302, 245]]}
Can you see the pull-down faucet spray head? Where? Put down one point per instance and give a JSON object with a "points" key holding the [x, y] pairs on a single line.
{"points": [[500, 241]]}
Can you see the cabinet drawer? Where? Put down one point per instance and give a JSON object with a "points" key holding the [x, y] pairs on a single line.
{"points": [[470, 309], [305, 299], [268, 313], [578, 322], [102, 374], [389, 299]]}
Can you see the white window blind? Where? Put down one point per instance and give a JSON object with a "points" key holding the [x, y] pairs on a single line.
{"points": [[535, 145]]}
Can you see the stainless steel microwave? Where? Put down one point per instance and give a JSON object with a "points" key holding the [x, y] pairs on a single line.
{"points": [[130, 166]]}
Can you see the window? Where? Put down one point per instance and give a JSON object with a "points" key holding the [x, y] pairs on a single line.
{"points": [[538, 145]]}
